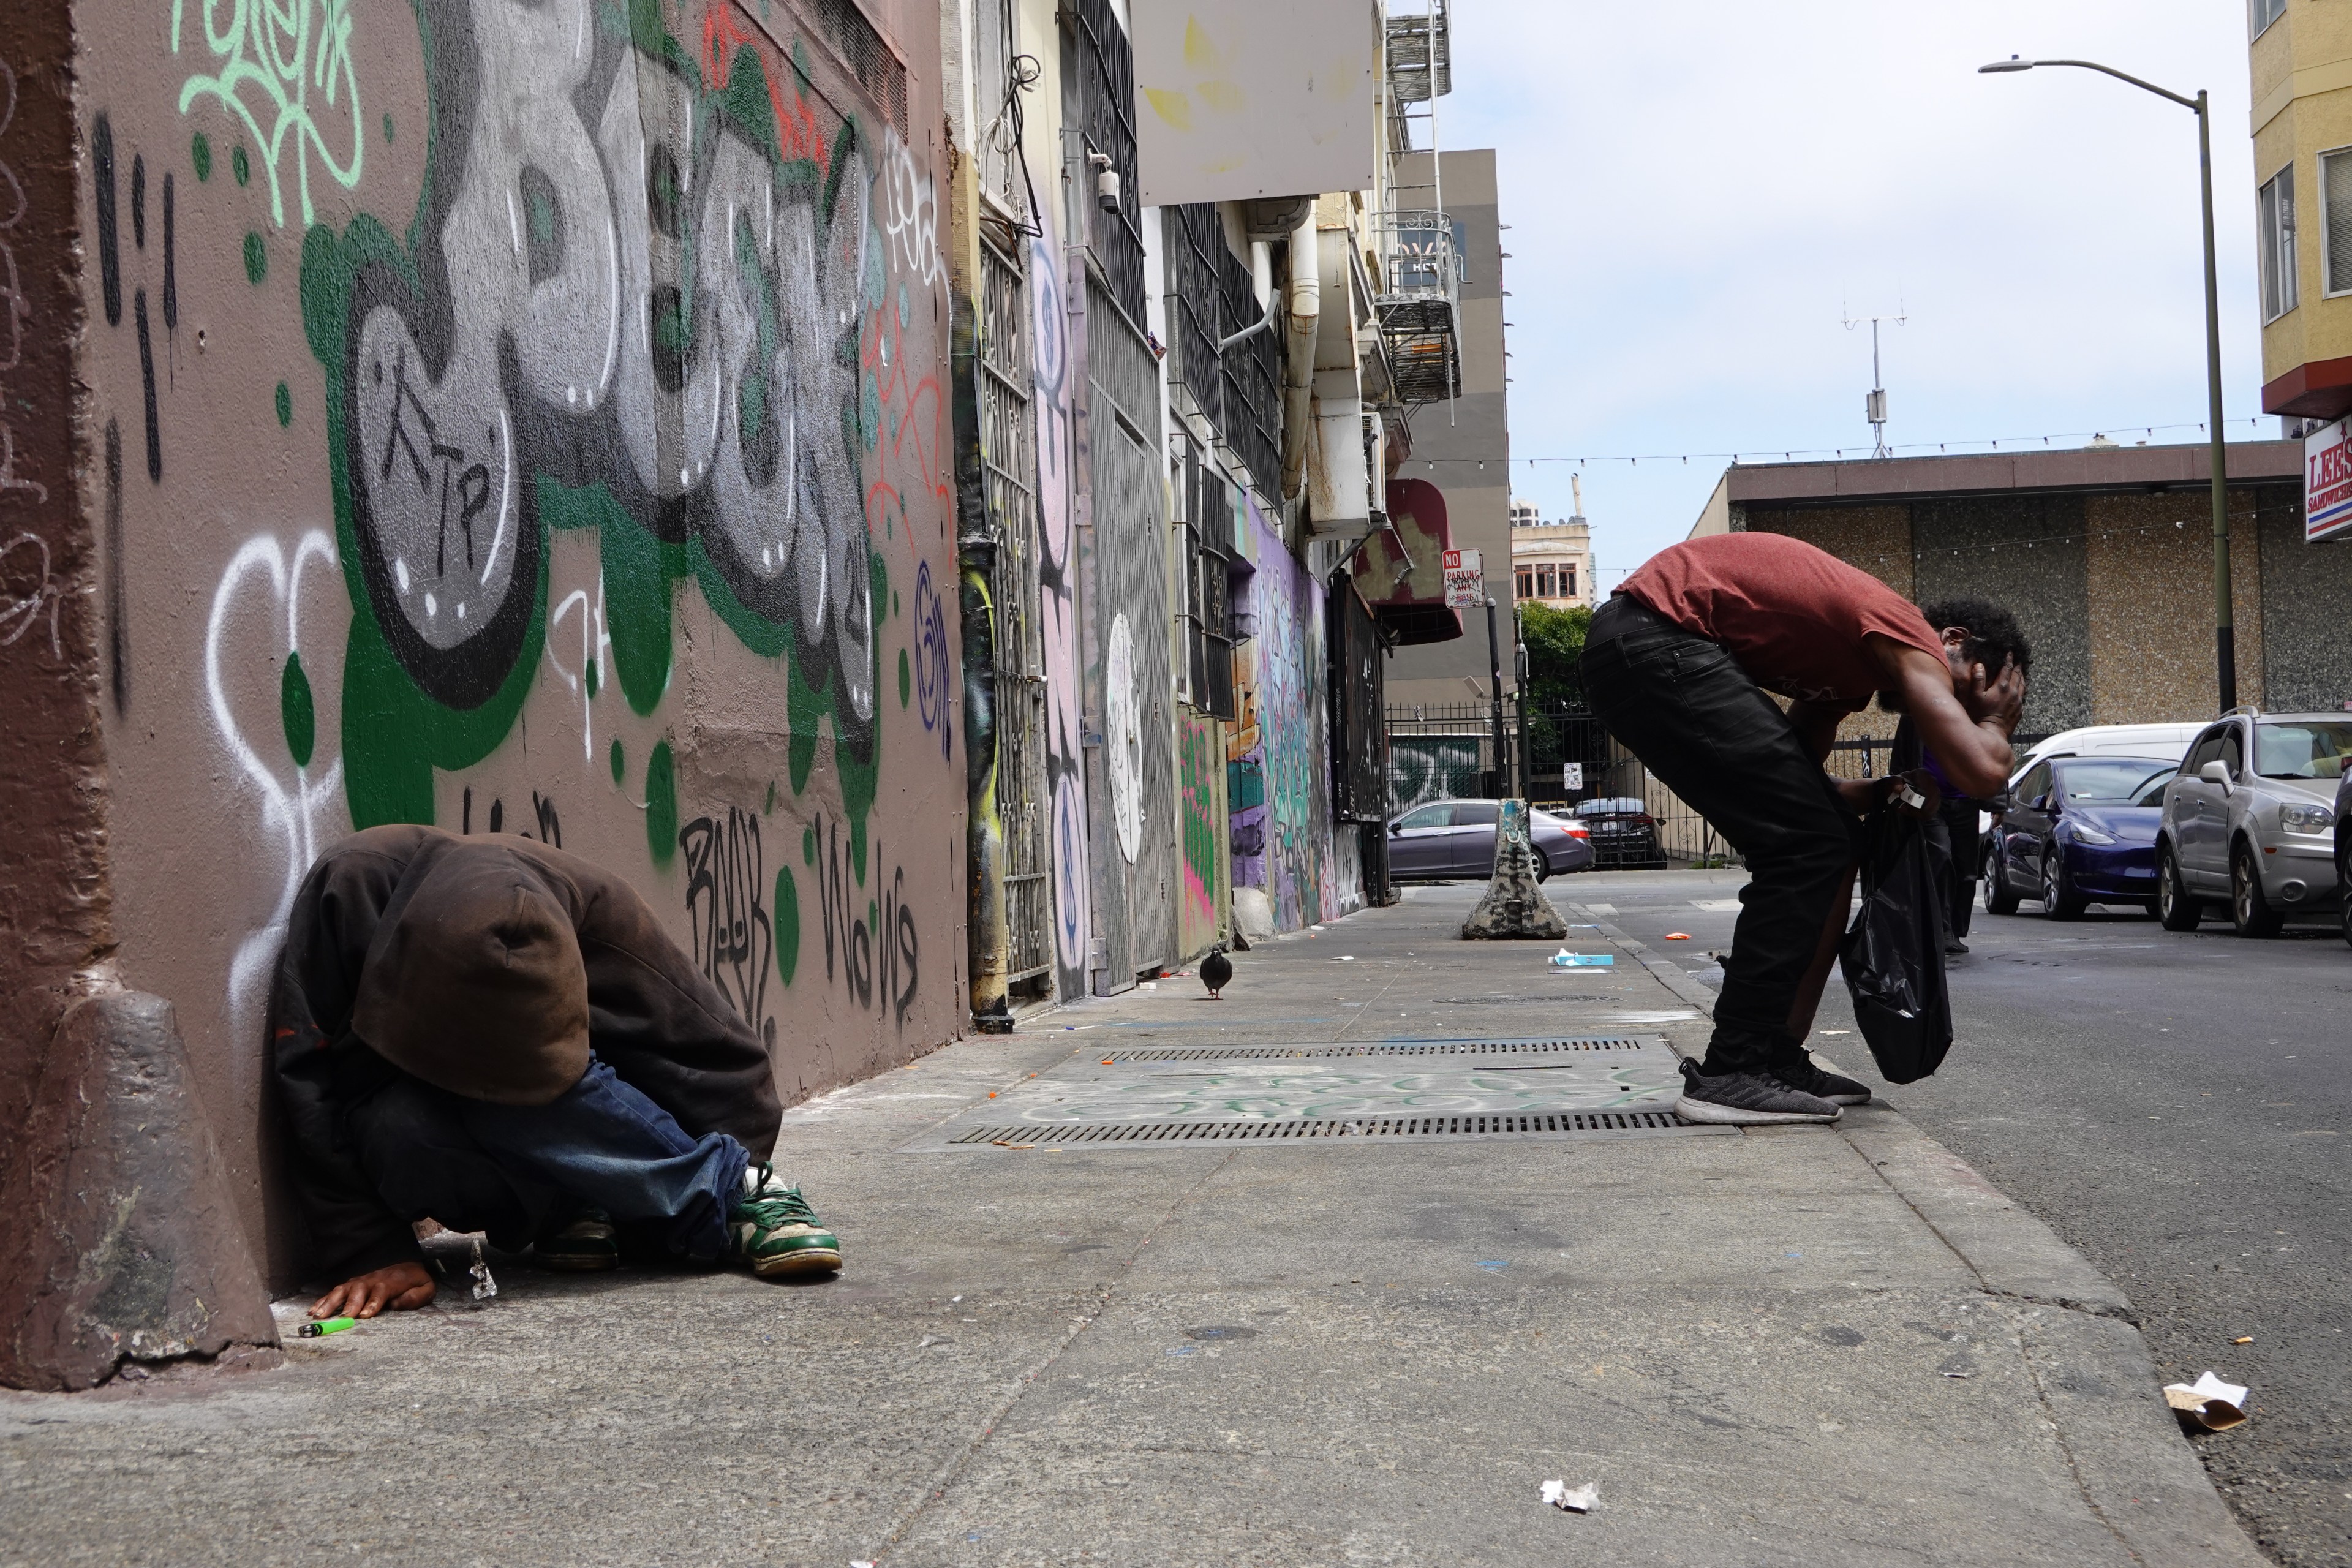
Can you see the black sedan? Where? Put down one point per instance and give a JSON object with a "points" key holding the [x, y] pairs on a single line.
{"points": [[1445, 838], [1624, 832], [2078, 831]]}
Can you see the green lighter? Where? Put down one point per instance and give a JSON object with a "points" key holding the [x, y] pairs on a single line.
{"points": [[325, 1326]]}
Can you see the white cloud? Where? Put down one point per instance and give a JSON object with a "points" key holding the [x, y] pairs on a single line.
{"points": [[1694, 204]]}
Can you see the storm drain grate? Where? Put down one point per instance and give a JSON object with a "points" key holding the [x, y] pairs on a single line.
{"points": [[1522, 1001], [1537, 1125], [1369, 1048]]}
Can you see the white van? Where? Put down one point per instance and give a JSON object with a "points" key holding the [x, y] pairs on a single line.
{"points": [[2170, 741]]}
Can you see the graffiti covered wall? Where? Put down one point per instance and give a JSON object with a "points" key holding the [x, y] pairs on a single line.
{"points": [[530, 420], [1203, 861], [1278, 773]]}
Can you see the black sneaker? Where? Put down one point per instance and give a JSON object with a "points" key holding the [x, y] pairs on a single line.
{"points": [[1800, 1074], [1954, 947], [587, 1244], [1747, 1099]]}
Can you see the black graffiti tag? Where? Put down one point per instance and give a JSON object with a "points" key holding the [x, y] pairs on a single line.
{"points": [[734, 936]]}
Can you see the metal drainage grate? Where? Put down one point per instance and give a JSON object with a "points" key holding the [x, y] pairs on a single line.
{"points": [[1546, 1124], [1521, 1001], [1370, 1048]]}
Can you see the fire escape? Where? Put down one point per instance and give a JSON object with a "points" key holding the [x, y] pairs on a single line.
{"points": [[1420, 299]]}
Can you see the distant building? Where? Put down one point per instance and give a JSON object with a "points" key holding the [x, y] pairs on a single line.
{"points": [[1459, 448], [1551, 562]]}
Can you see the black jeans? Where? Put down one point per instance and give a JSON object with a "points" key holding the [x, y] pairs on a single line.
{"points": [[1709, 733]]}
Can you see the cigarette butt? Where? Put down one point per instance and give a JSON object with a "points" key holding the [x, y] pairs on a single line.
{"points": [[2244, 1340]]}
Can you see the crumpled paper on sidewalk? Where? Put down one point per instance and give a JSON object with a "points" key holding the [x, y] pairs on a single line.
{"points": [[2208, 1402], [1572, 1500]]}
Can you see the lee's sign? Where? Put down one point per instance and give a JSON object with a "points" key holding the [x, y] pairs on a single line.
{"points": [[1465, 579], [2327, 482]]}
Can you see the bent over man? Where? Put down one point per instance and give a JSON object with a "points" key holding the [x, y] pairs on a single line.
{"points": [[498, 1035], [1678, 664]]}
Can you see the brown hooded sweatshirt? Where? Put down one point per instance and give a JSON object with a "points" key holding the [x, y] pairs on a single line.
{"points": [[490, 967]]}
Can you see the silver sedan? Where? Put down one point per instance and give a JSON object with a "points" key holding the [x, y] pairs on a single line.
{"points": [[1446, 838]]}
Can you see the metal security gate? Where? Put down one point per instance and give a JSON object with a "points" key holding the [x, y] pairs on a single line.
{"points": [[1131, 692], [1009, 478]]}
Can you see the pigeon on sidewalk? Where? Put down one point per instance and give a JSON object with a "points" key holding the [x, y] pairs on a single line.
{"points": [[1216, 972]]}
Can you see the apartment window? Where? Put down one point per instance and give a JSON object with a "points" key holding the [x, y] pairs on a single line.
{"points": [[1547, 582], [1527, 582], [2261, 14], [2275, 204], [2336, 226], [1567, 580]]}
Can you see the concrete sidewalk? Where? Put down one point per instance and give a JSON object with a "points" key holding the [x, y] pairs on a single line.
{"points": [[1800, 1346]]}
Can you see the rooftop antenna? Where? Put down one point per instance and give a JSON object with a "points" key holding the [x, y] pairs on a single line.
{"points": [[1873, 407]]}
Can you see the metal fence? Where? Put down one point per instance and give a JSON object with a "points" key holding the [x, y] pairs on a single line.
{"points": [[1444, 751]]}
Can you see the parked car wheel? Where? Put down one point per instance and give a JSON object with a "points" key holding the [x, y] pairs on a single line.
{"points": [[2175, 905], [2059, 899], [1543, 868], [2344, 894], [2249, 910], [1999, 898]]}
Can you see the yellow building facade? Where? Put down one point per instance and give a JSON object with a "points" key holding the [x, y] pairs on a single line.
{"points": [[2301, 60]]}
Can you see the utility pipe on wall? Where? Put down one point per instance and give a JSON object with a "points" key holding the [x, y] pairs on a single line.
{"points": [[1303, 315]]}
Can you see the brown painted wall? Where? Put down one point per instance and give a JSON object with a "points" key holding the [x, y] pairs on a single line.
{"points": [[2151, 606], [453, 492], [54, 901]]}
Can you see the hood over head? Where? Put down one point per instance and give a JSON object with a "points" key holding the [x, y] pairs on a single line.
{"points": [[475, 981]]}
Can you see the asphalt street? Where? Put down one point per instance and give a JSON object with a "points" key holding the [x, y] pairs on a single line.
{"points": [[2177, 1105]]}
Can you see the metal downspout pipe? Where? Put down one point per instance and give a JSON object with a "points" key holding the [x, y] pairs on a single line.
{"points": [[1302, 315]]}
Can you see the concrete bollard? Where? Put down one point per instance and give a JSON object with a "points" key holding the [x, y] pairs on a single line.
{"points": [[118, 1241], [1515, 905]]}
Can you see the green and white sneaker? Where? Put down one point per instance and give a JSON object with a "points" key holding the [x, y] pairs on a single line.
{"points": [[774, 1232]]}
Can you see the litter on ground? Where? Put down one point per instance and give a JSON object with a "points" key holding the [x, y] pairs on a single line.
{"points": [[1572, 1500], [2208, 1402]]}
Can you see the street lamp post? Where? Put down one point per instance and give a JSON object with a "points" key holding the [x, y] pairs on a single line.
{"points": [[2225, 645]]}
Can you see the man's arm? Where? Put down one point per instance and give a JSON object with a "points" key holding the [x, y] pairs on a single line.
{"points": [[1969, 733]]}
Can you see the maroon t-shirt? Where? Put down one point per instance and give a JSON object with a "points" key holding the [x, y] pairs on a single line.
{"points": [[1793, 615]]}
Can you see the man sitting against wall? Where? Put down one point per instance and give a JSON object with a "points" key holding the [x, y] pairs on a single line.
{"points": [[498, 1035], [1677, 665]]}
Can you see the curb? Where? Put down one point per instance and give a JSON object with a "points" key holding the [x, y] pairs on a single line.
{"points": [[2078, 1332]]}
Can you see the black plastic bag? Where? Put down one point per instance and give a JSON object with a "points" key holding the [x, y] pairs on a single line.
{"points": [[1893, 955]]}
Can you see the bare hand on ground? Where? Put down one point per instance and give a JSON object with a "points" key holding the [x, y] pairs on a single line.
{"points": [[400, 1286]]}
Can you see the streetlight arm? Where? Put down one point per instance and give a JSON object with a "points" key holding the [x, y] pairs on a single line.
{"points": [[2188, 103]]}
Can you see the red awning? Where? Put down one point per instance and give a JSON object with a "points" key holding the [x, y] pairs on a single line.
{"points": [[1399, 570]]}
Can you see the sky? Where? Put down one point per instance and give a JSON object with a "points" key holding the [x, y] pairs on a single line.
{"points": [[1696, 204]]}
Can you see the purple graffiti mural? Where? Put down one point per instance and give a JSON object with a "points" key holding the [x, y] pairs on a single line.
{"points": [[1278, 773]]}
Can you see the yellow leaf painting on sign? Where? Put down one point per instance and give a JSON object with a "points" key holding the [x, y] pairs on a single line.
{"points": [[1172, 107], [1211, 85]]}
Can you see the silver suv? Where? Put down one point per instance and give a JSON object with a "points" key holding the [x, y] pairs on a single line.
{"points": [[2250, 819]]}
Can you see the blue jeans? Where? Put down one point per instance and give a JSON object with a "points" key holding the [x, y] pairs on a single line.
{"points": [[519, 1171]]}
